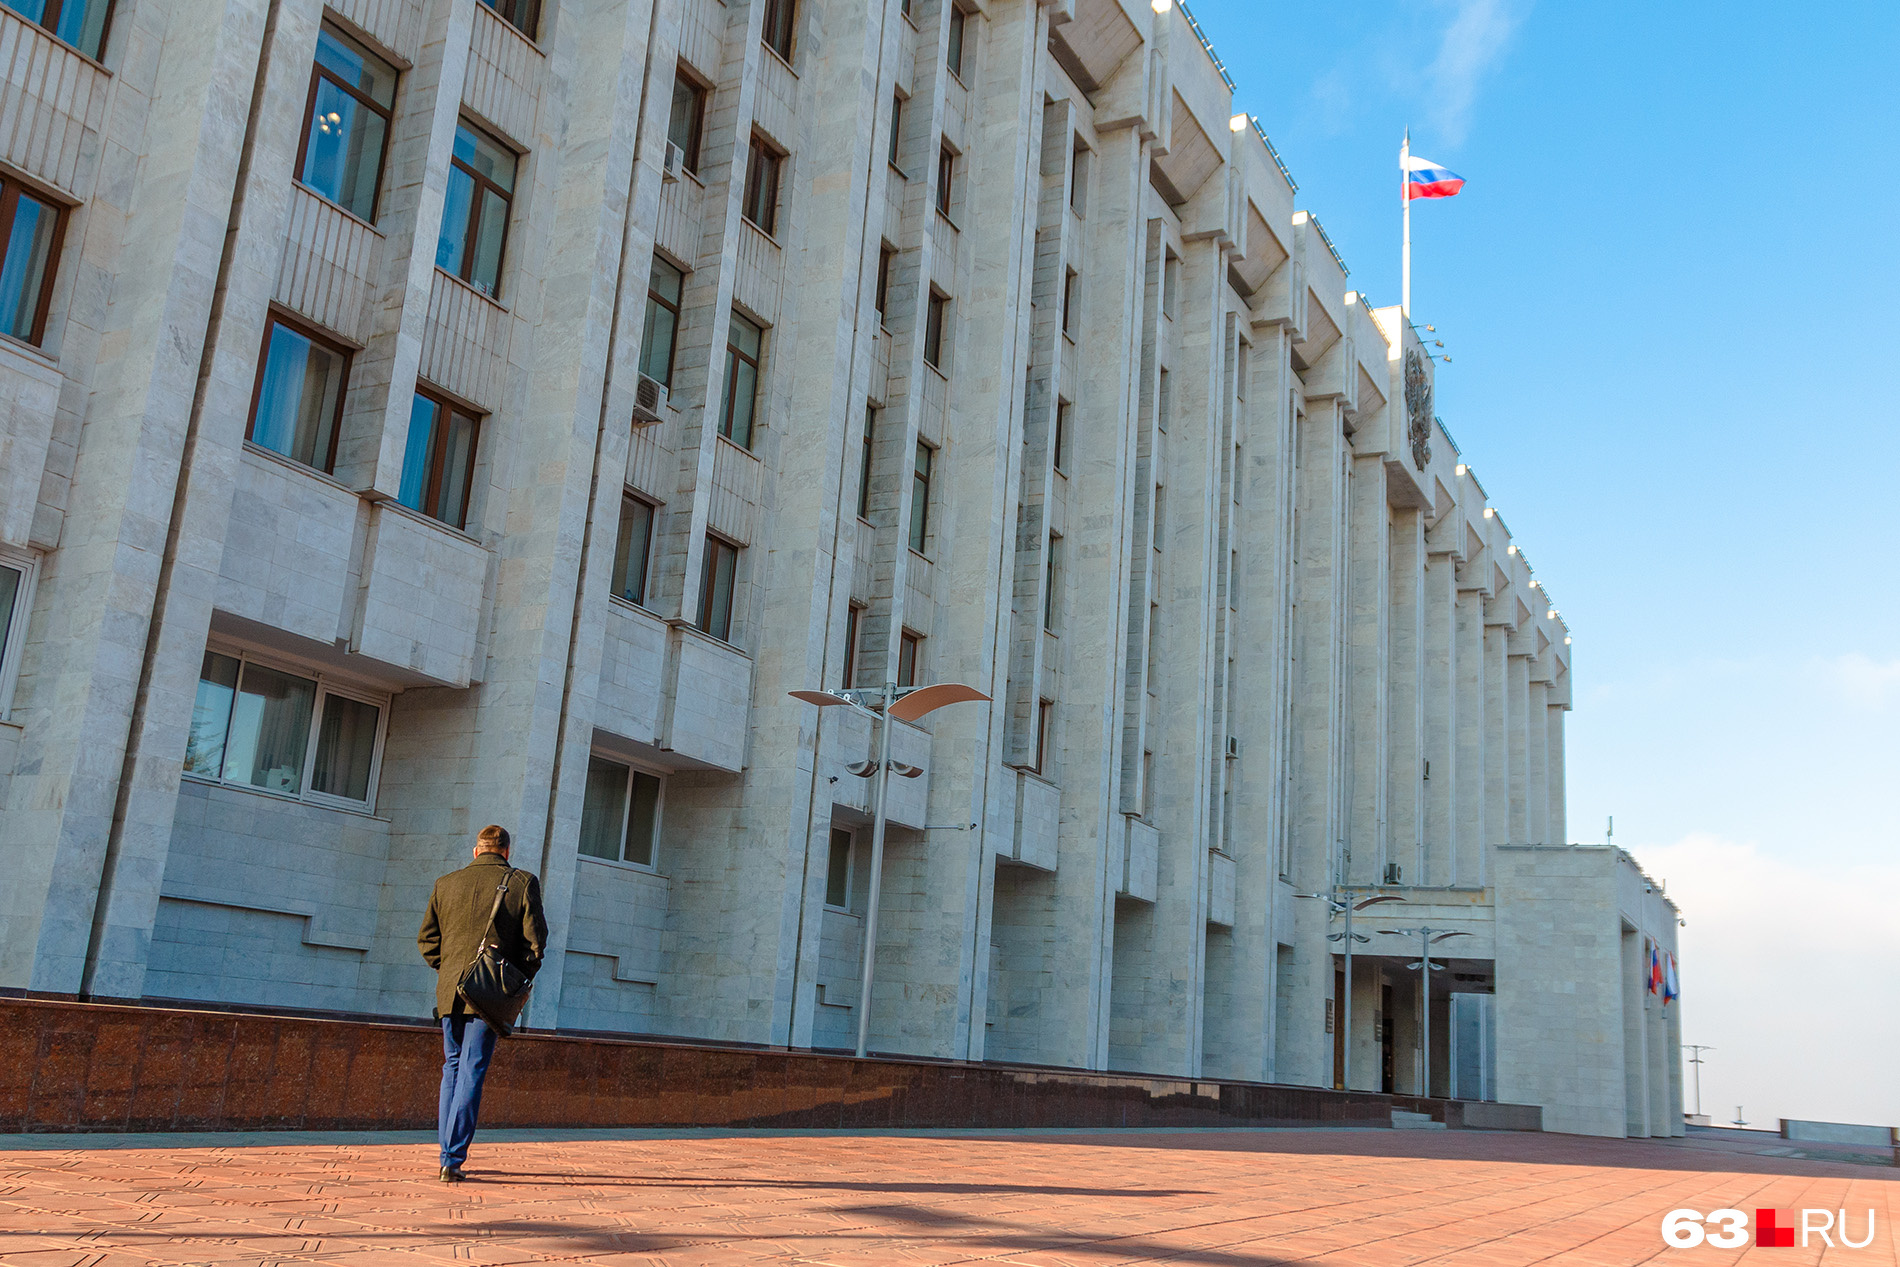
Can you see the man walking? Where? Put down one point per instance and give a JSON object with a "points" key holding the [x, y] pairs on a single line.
{"points": [[451, 936]]}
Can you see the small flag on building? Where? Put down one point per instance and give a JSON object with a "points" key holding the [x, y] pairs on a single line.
{"points": [[1672, 990], [1426, 179]]}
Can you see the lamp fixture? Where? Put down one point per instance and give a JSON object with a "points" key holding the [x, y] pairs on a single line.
{"points": [[1236, 123]]}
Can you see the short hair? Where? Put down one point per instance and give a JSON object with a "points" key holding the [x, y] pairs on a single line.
{"points": [[493, 839]]}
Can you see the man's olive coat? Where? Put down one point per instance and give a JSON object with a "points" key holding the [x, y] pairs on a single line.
{"points": [[458, 916]]}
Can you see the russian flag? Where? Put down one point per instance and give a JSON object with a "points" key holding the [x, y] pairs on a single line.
{"points": [[1426, 179], [1671, 988]]}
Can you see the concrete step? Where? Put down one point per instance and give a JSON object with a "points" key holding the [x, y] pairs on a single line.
{"points": [[1406, 1120]]}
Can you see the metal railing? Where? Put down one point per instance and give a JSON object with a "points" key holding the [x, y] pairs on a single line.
{"points": [[1321, 230]]}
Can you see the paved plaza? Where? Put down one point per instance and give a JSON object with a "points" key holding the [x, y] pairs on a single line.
{"points": [[1221, 1198]]}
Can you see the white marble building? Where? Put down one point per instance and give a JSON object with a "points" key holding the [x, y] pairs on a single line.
{"points": [[320, 548]]}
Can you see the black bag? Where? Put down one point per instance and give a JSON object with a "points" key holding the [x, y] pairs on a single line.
{"points": [[494, 988]]}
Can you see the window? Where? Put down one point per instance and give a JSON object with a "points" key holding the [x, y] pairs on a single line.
{"points": [[864, 464], [743, 340], [1079, 178], [954, 59], [1170, 284], [1150, 794], [620, 812], [1051, 575], [897, 124], [16, 584], [1068, 303], [1154, 645], [632, 549], [657, 342], [920, 496], [779, 17], [351, 94], [81, 23], [1160, 515], [853, 617], [263, 727], [718, 573], [29, 256], [838, 871], [1060, 448], [438, 463], [523, 15], [687, 123], [299, 403], [933, 329], [1044, 708], [946, 178], [910, 649], [884, 254], [760, 204], [475, 209], [1164, 402]]}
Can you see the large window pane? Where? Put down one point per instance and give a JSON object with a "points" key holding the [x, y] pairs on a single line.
{"points": [[715, 593], [643, 819], [29, 228], [683, 127], [743, 342], [270, 730], [475, 209], [300, 397], [438, 460], [631, 550], [920, 497], [451, 246], [211, 715], [491, 228], [603, 808], [424, 416], [838, 872], [81, 23], [665, 285], [520, 14], [351, 93], [346, 743]]}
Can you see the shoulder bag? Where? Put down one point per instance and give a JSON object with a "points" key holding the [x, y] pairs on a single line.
{"points": [[495, 989]]}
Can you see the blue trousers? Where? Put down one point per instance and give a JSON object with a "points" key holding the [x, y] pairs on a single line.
{"points": [[467, 1045]]}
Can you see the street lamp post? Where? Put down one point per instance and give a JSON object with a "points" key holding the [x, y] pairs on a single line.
{"points": [[1338, 905], [1429, 937], [1696, 1060], [904, 703]]}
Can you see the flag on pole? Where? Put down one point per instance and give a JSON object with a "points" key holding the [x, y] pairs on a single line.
{"points": [[1655, 968], [1672, 989], [1426, 179]]}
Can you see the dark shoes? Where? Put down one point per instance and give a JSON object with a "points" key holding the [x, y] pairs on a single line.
{"points": [[452, 1174]]}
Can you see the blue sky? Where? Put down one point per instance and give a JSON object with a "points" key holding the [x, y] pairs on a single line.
{"points": [[1669, 293]]}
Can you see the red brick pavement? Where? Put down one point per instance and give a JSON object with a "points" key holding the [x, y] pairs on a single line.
{"points": [[1083, 1199]]}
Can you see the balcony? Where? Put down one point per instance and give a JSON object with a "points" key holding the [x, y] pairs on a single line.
{"points": [[706, 700], [909, 797], [1220, 889], [54, 102], [329, 267], [422, 595], [464, 341], [632, 673], [1141, 861], [1038, 814], [503, 79], [412, 600], [29, 398]]}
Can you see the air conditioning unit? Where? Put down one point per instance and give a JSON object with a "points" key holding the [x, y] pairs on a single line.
{"points": [[649, 394], [1391, 873], [1233, 745], [671, 165]]}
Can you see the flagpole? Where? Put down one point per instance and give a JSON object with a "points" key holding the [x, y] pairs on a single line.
{"points": [[1405, 201]]}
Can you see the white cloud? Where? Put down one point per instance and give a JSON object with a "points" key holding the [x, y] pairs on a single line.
{"points": [[1471, 44], [1788, 970]]}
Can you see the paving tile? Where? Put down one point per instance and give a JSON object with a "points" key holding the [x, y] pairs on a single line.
{"points": [[1217, 1198]]}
